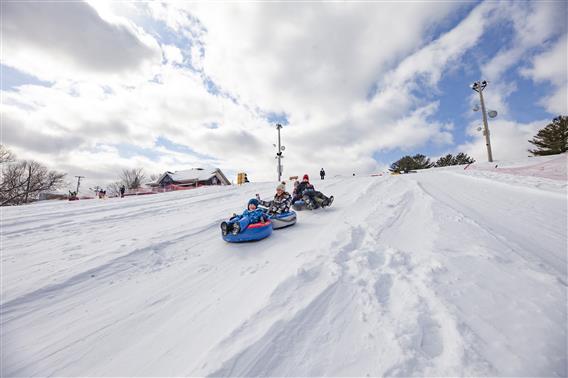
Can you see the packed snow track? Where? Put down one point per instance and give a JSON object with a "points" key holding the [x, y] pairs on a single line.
{"points": [[440, 273]]}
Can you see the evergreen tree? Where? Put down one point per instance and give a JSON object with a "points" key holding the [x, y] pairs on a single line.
{"points": [[553, 139], [422, 162], [462, 158], [444, 161], [408, 163], [449, 159]]}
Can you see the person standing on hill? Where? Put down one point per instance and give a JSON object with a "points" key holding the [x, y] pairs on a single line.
{"points": [[122, 190], [322, 174]]}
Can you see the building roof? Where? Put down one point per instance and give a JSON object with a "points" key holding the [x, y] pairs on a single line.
{"points": [[195, 174]]}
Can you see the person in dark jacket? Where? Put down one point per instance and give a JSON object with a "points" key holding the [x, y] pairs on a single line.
{"points": [[312, 197], [295, 195], [281, 202], [239, 223], [122, 190], [322, 174]]}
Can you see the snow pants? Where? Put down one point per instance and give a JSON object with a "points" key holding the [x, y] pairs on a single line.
{"points": [[315, 197], [243, 222]]}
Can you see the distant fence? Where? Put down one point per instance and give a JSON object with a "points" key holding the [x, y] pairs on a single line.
{"points": [[158, 189]]}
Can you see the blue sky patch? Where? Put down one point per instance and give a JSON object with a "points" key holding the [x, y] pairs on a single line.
{"points": [[13, 78]]}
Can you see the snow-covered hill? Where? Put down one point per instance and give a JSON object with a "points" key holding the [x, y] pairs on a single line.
{"points": [[444, 272]]}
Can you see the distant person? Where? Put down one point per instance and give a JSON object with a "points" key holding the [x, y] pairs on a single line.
{"points": [[322, 174], [122, 190], [295, 195], [246, 178]]}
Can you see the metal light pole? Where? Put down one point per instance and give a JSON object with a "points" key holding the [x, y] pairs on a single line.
{"points": [[279, 153], [79, 182], [479, 86]]}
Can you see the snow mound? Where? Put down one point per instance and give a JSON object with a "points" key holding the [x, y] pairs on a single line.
{"points": [[555, 168]]}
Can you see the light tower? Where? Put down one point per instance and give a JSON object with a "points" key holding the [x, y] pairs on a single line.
{"points": [[479, 86], [279, 155]]}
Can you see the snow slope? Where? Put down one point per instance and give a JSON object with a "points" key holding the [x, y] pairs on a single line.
{"points": [[442, 273]]}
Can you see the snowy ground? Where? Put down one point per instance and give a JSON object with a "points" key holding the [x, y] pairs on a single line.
{"points": [[445, 272]]}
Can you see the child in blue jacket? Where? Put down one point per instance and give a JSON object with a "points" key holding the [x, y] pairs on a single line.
{"points": [[239, 223]]}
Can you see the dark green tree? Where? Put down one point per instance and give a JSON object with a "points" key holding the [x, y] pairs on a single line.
{"points": [[409, 163], [553, 139], [422, 162], [462, 158], [449, 159], [444, 161]]}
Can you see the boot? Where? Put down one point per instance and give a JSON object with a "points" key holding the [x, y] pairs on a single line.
{"points": [[236, 228], [330, 201], [224, 228]]}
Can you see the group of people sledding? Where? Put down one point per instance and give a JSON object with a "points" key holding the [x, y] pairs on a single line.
{"points": [[303, 192]]}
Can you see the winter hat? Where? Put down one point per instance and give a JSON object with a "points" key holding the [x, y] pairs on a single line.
{"points": [[281, 187], [253, 201], [306, 177]]}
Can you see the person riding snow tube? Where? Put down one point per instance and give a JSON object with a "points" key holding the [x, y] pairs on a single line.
{"points": [[306, 197], [312, 201], [251, 225], [278, 209]]}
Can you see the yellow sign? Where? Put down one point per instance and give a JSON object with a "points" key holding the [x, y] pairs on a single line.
{"points": [[241, 178]]}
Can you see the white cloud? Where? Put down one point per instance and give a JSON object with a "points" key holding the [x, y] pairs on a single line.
{"points": [[57, 123], [349, 77], [69, 40], [172, 54], [534, 24], [552, 66]]}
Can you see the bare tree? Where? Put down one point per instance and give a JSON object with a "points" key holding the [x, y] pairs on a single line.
{"points": [[6, 156], [114, 188], [23, 181], [155, 176], [132, 178]]}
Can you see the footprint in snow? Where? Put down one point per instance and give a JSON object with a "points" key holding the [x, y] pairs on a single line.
{"points": [[382, 288], [205, 268], [431, 342]]}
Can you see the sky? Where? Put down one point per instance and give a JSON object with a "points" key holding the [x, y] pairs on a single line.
{"points": [[92, 88]]}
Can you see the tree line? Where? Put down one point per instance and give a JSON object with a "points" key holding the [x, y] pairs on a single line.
{"points": [[550, 140], [409, 163], [22, 181]]}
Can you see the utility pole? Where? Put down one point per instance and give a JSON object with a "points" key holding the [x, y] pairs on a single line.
{"points": [[479, 86], [279, 153], [79, 182]]}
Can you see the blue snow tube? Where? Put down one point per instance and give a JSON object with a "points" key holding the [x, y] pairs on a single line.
{"points": [[283, 220], [299, 205], [255, 231]]}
